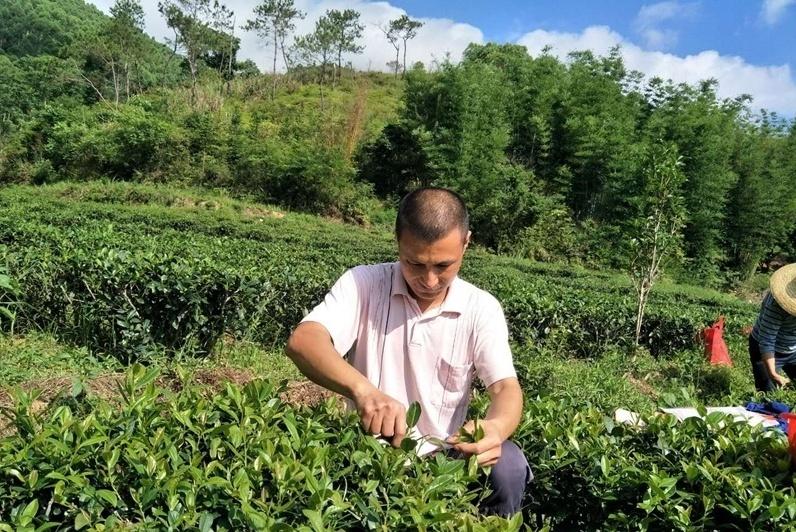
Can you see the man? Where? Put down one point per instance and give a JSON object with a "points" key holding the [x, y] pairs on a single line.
{"points": [[414, 331], [772, 344]]}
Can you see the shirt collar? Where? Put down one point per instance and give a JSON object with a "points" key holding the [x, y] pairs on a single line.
{"points": [[455, 300]]}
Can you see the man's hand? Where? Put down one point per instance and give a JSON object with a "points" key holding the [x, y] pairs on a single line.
{"points": [[487, 449], [769, 360], [381, 414], [779, 379]]}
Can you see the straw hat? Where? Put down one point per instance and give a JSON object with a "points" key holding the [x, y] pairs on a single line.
{"points": [[783, 288]]}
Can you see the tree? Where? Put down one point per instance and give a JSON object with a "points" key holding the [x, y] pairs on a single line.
{"points": [[394, 163], [657, 230], [392, 37], [225, 44], [192, 22], [346, 29], [318, 47], [394, 66], [703, 129], [403, 28], [119, 45], [274, 19], [762, 209]]}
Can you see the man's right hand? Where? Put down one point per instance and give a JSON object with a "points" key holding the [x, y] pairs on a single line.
{"points": [[381, 414]]}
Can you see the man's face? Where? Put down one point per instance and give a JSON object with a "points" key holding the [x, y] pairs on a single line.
{"points": [[430, 268]]}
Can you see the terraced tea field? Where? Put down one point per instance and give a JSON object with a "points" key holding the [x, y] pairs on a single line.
{"points": [[153, 319]]}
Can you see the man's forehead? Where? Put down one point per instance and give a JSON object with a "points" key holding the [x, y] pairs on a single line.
{"points": [[410, 240]]}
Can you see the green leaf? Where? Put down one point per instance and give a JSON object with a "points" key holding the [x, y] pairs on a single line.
{"points": [[604, 465], [408, 444], [5, 282], [413, 414], [109, 496], [315, 519], [206, 522], [82, 520], [478, 435], [29, 512]]}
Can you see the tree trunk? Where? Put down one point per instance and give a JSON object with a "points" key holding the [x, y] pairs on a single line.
{"points": [[127, 80], [115, 83], [193, 68], [284, 55], [404, 73], [642, 303], [397, 51], [168, 61], [273, 82], [339, 63]]}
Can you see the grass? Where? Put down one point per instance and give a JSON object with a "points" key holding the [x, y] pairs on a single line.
{"points": [[40, 356], [270, 364]]}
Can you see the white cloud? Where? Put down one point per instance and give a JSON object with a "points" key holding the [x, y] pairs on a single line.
{"points": [[772, 87], [773, 10], [650, 19], [434, 40]]}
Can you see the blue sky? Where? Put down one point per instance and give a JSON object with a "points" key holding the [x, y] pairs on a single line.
{"points": [[749, 46], [731, 27]]}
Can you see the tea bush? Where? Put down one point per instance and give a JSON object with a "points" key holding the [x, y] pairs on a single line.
{"points": [[128, 278], [133, 270], [242, 459], [237, 460], [701, 474]]}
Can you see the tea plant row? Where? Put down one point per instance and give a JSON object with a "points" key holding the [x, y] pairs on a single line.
{"points": [[131, 279], [242, 459]]}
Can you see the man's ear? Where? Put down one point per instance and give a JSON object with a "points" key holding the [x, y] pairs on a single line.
{"points": [[467, 240]]}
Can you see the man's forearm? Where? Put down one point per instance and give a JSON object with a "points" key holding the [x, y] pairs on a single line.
{"points": [[505, 408], [312, 351], [770, 361]]}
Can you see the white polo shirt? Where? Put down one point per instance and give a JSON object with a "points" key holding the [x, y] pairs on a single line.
{"points": [[428, 357]]}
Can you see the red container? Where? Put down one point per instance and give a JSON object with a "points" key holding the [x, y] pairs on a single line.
{"points": [[715, 347]]}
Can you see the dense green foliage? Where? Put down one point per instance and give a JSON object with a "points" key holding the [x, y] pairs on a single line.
{"points": [[533, 142], [68, 54], [129, 270], [240, 459], [548, 153], [243, 459], [123, 263], [141, 271]]}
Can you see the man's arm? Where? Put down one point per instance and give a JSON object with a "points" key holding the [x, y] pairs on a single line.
{"points": [[769, 323], [310, 347], [770, 363], [502, 418]]}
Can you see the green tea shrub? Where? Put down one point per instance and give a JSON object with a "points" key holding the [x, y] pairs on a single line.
{"points": [[594, 474], [239, 459], [193, 274]]}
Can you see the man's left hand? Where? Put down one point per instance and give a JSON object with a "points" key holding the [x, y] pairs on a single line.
{"points": [[487, 449]]}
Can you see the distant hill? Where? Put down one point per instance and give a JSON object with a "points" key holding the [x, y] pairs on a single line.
{"points": [[44, 27]]}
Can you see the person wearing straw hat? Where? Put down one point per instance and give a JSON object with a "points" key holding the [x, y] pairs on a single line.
{"points": [[772, 344]]}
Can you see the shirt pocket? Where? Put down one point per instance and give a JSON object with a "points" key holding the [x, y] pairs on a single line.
{"points": [[452, 383]]}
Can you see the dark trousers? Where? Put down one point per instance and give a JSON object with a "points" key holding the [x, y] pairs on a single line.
{"points": [[508, 479], [763, 382]]}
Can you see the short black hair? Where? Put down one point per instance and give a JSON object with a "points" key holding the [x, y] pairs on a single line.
{"points": [[430, 213]]}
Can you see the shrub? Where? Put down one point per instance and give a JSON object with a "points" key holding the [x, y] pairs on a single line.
{"points": [[237, 459]]}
